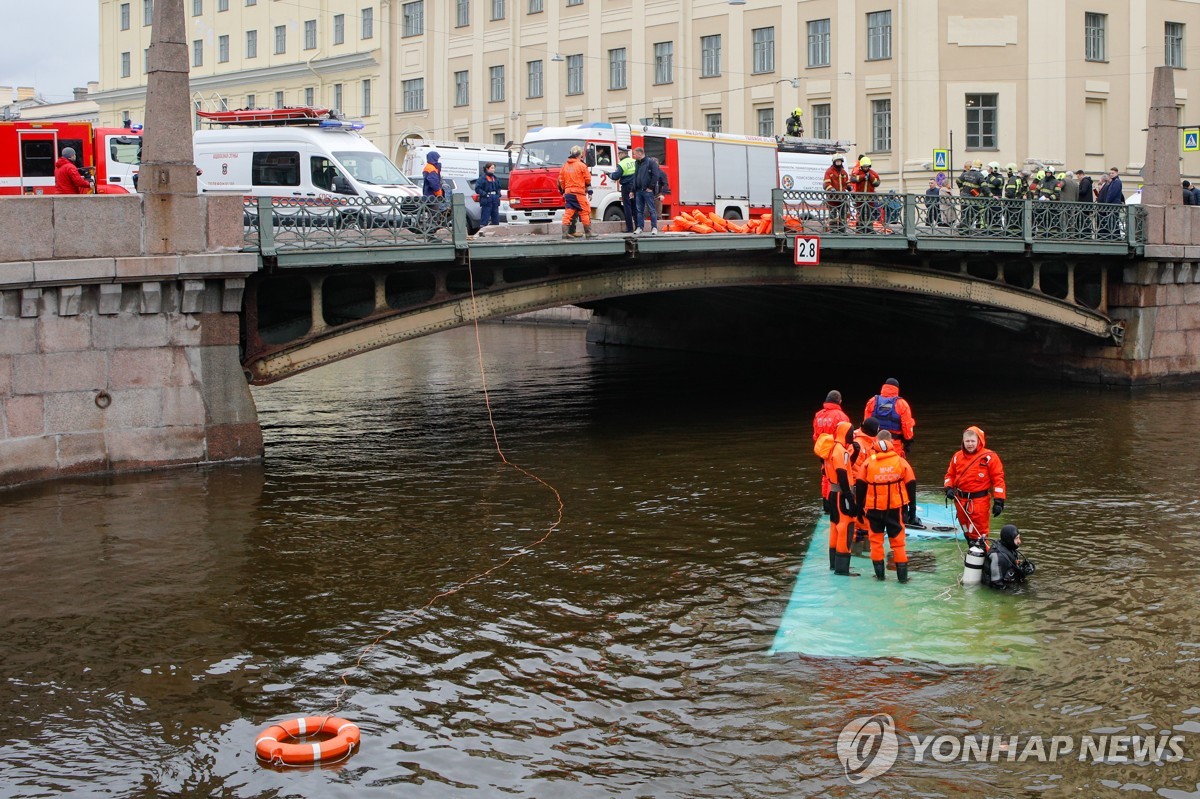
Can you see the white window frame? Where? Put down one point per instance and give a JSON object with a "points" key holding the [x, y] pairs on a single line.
{"points": [[413, 92], [1173, 49], [763, 42], [280, 39], [818, 42], [496, 84], [1095, 36], [252, 44], [413, 14], [983, 129], [710, 56], [822, 120], [368, 23], [534, 71], [310, 34], [575, 74], [881, 125], [664, 63], [879, 35], [339, 28], [618, 76], [462, 88]]}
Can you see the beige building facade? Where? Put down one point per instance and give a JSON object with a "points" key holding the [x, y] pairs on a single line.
{"points": [[1065, 83]]}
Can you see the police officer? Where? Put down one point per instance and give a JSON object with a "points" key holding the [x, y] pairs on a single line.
{"points": [[623, 175]]}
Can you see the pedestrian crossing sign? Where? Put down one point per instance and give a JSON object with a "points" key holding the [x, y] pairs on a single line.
{"points": [[1191, 140], [941, 160]]}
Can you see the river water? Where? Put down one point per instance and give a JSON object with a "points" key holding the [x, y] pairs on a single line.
{"points": [[152, 624]]}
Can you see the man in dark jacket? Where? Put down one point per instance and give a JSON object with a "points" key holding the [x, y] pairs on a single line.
{"points": [[1113, 194], [1005, 565], [650, 187], [431, 185], [67, 179]]}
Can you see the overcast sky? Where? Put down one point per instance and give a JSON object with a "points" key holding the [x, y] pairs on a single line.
{"points": [[52, 45]]}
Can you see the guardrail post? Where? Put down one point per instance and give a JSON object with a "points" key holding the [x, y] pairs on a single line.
{"points": [[1027, 221], [777, 213], [266, 226], [910, 216], [1130, 222], [458, 217]]}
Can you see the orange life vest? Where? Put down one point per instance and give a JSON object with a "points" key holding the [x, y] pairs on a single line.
{"points": [[886, 474]]}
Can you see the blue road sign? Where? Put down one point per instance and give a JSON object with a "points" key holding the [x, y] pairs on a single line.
{"points": [[941, 160]]}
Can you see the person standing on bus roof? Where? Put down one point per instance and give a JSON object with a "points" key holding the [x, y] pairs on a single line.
{"points": [[650, 187], [67, 179]]}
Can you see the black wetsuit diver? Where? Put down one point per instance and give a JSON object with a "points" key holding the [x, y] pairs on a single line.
{"points": [[1005, 565]]}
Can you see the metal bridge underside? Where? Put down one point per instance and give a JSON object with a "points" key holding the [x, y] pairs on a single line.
{"points": [[301, 320]]}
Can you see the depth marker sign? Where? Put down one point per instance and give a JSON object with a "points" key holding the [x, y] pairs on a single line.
{"points": [[808, 250]]}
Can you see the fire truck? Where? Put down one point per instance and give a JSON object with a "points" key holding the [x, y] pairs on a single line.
{"points": [[29, 148], [728, 174]]}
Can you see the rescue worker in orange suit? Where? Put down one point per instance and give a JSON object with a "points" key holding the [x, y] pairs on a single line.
{"points": [[864, 180], [575, 183], [895, 415], [837, 184], [842, 505], [863, 448], [887, 487], [975, 484], [826, 421]]}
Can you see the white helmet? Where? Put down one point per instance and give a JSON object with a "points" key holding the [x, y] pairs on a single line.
{"points": [[993, 165]]}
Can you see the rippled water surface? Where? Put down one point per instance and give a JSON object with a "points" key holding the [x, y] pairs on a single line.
{"points": [[153, 623]]}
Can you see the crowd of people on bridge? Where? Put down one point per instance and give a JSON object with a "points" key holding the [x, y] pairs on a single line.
{"points": [[869, 488], [983, 198]]}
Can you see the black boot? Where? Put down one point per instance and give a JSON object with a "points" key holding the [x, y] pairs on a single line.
{"points": [[832, 558], [879, 570], [843, 566], [902, 572]]}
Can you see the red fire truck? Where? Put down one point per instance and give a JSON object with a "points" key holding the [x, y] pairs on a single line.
{"points": [[29, 148], [727, 174]]}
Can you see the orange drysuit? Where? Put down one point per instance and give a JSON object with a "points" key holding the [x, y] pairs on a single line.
{"points": [[575, 179], [894, 415], [826, 421], [978, 482], [883, 492], [842, 508]]}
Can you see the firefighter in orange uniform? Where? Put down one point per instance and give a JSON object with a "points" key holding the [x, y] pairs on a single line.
{"points": [[863, 448], [888, 485], [575, 183], [974, 476], [826, 421], [842, 507]]}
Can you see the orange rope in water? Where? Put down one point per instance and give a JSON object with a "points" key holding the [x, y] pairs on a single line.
{"points": [[454, 589]]}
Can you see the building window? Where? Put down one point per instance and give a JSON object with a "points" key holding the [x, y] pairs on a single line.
{"points": [[222, 5], [535, 78], [222, 49], [414, 94], [414, 18], [766, 121], [1173, 44], [339, 28], [712, 123], [497, 9], [1093, 37], [250, 100], [337, 97], [710, 56], [498, 137], [616, 69], [310, 34], [496, 81], [251, 44], [664, 53], [147, 12], [279, 100], [574, 2], [881, 126], [536, 7], [818, 43], [125, 68], [368, 23], [462, 88], [197, 8], [366, 97], [251, 3], [308, 97], [462, 16], [197, 53], [575, 74], [981, 121], [879, 35], [124, 17], [280, 39], [764, 50], [821, 122]]}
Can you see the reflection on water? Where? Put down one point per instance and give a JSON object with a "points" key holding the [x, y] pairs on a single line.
{"points": [[153, 623]]}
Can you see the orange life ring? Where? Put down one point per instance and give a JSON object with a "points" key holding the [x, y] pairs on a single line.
{"points": [[271, 744]]}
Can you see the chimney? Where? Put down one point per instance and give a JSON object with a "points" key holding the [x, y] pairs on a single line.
{"points": [[93, 86], [6, 95], [25, 93], [81, 93]]}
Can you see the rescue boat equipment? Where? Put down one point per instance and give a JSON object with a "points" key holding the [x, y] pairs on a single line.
{"points": [[279, 743], [973, 565]]}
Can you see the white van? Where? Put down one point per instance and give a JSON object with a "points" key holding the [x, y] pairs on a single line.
{"points": [[464, 160], [312, 163]]}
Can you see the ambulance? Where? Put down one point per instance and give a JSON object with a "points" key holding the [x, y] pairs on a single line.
{"points": [[30, 148]]}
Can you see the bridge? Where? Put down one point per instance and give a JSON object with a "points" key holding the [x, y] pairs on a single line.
{"points": [[340, 280]]}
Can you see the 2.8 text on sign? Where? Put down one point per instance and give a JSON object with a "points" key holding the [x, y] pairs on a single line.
{"points": [[808, 250]]}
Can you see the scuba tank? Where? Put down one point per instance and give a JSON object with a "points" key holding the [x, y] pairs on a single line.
{"points": [[973, 566]]}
